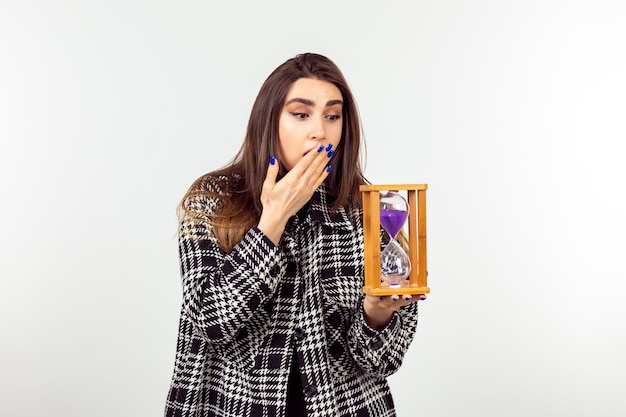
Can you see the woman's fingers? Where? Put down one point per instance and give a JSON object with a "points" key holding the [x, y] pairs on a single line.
{"points": [[399, 300], [308, 174], [272, 173], [312, 169]]}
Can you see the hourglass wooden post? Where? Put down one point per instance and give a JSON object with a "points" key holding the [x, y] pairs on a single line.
{"points": [[417, 282]]}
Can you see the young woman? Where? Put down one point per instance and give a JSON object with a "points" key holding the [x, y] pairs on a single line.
{"points": [[274, 321]]}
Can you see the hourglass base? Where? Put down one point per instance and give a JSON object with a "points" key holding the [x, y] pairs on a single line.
{"points": [[386, 290]]}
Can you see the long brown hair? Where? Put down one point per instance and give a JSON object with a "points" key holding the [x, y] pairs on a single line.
{"points": [[240, 195]]}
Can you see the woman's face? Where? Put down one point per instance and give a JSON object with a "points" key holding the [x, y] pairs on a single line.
{"points": [[310, 117]]}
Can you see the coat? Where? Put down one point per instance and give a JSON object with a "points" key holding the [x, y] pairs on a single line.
{"points": [[245, 312]]}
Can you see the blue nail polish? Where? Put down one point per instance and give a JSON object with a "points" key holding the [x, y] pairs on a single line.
{"points": [[407, 298], [394, 299], [423, 297], [320, 148], [330, 145], [328, 168], [382, 298], [272, 160], [330, 153]]}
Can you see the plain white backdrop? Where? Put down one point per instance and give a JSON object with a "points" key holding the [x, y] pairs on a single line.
{"points": [[512, 111]]}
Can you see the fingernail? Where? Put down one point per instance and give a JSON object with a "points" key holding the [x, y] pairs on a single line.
{"points": [[330, 145], [382, 298], [423, 297], [330, 153], [272, 160], [320, 148], [394, 298], [328, 168], [407, 298]]}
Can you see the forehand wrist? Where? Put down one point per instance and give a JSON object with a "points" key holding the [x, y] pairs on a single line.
{"points": [[376, 318], [272, 229]]}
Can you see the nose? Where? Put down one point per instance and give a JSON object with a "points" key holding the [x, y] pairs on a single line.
{"points": [[317, 130]]}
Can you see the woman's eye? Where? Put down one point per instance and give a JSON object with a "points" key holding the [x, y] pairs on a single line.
{"points": [[333, 117], [299, 115]]}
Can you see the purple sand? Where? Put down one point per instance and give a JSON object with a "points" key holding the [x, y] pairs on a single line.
{"points": [[393, 220]]}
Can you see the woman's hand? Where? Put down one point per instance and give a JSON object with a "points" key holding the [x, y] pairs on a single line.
{"points": [[282, 199], [379, 310]]}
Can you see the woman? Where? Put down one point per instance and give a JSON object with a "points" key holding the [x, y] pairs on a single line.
{"points": [[274, 321]]}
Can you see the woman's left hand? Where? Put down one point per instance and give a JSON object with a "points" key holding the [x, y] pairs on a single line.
{"points": [[379, 310]]}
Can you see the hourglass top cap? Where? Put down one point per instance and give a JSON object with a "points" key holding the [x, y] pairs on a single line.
{"points": [[396, 187]]}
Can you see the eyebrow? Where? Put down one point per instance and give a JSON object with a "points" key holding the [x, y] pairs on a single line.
{"points": [[308, 102]]}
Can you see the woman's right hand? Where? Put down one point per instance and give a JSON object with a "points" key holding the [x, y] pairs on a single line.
{"points": [[282, 199]]}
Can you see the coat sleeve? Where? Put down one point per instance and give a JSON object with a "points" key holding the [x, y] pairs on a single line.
{"points": [[222, 291], [382, 352]]}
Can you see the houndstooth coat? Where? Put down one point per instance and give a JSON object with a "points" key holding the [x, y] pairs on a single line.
{"points": [[245, 312]]}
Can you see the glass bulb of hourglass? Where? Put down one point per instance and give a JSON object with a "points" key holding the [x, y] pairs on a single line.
{"points": [[395, 264]]}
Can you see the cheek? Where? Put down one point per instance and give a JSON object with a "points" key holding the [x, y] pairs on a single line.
{"points": [[283, 136], [336, 136], [287, 131], [285, 147], [285, 139]]}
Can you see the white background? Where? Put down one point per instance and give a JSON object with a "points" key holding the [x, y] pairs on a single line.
{"points": [[512, 111]]}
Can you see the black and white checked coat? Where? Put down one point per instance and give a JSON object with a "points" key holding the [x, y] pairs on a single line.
{"points": [[245, 312]]}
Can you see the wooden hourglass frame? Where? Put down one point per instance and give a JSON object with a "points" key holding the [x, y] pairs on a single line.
{"points": [[418, 277]]}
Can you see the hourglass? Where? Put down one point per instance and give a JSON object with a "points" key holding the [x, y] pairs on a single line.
{"points": [[395, 264], [394, 270]]}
